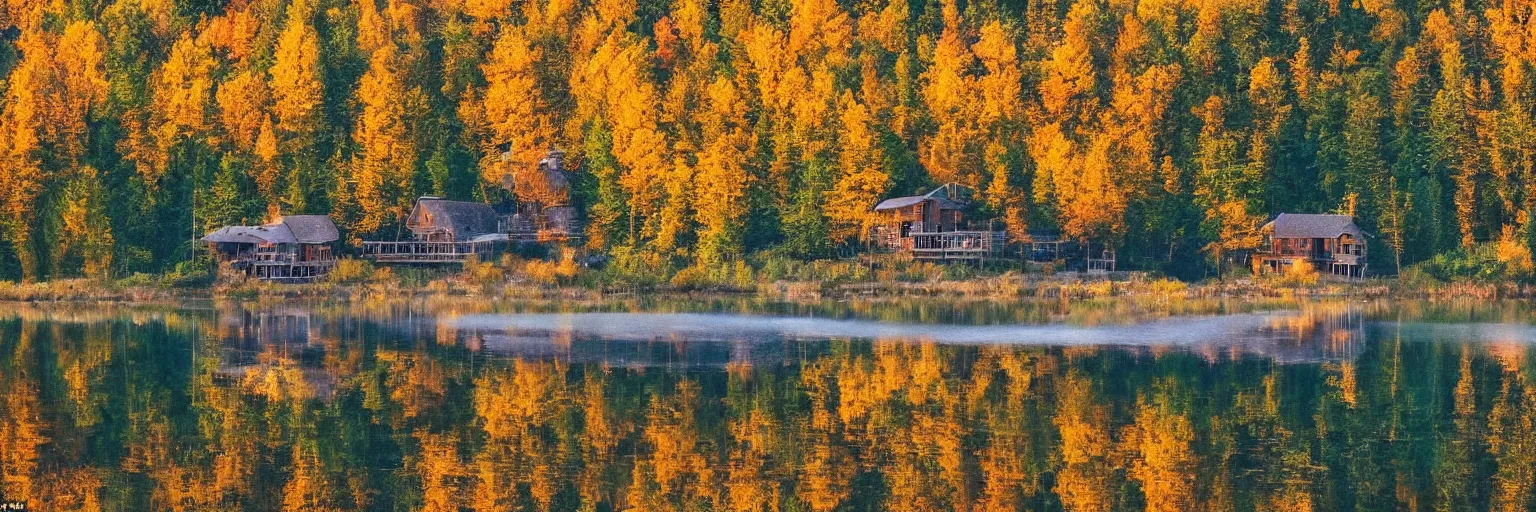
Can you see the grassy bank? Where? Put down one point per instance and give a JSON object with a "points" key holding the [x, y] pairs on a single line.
{"points": [[512, 278], [1486, 272]]}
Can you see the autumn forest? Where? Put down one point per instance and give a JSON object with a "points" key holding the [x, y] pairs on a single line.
{"points": [[703, 130]]}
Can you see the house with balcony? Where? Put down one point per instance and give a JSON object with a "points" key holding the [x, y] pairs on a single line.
{"points": [[442, 231], [933, 226], [292, 249], [1332, 244]]}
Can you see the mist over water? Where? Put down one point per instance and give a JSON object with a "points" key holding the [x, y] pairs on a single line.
{"points": [[1180, 331]]}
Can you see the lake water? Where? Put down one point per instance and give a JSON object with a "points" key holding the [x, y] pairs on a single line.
{"points": [[749, 405]]}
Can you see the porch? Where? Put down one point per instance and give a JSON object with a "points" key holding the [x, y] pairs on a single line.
{"points": [[287, 270], [428, 252], [956, 245]]}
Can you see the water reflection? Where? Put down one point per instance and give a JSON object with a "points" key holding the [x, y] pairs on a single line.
{"points": [[1329, 405]]}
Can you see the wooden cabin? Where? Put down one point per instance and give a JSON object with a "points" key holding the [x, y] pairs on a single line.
{"points": [[442, 231], [933, 226], [544, 212], [295, 248], [1333, 244], [440, 220]]}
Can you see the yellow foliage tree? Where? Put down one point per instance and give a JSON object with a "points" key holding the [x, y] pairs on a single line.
{"points": [[619, 74], [513, 111], [385, 164], [1091, 203], [295, 83], [183, 96], [722, 175], [53, 91], [85, 232], [242, 100], [850, 204], [950, 153], [1067, 89]]}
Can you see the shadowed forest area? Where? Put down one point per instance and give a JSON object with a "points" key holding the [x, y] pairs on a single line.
{"points": [[700, 131]]}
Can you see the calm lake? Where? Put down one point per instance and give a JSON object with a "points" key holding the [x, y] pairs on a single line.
{"points": [[740, 404]]}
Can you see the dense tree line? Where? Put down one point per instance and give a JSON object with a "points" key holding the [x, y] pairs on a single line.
{"points": [[705, 129]]}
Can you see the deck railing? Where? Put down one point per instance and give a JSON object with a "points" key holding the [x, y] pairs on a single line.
{"points": [[524, 230], [425, 252], [294, 271], [272, 258], [953, 245]]}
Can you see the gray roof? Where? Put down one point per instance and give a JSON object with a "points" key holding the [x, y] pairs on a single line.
{"points": [[1304, 225], [303, 229], [312, 229], [462, 219], [269, 234], [938, 194]]}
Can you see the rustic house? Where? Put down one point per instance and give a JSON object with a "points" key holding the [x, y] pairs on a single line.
{"points": [[440, 220], [295, 248], [442, 231], [933, 226], [1330, 243]]}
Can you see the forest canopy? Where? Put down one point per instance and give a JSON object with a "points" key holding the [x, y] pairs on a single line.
{"points": [[702, 130]]}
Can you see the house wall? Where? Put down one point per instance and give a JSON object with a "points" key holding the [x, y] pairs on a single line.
{"points": [[424, 227], [1340, 256], [316, 252], [928, 213], [432, 234]]}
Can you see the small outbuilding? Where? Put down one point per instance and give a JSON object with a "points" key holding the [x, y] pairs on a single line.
{"points": [[294, 248], [1330, 243]]}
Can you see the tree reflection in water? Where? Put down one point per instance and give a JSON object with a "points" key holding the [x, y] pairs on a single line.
{"points": [[1333, 406]]}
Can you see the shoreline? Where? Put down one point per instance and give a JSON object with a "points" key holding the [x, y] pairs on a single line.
{"points": [[1004, 287]]}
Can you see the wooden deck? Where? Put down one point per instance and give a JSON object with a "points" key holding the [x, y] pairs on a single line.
{"points": [[1350, 266], [282, 267], [524, 231], [426, 252], [957, 245], [291, 271], [544, 236]]}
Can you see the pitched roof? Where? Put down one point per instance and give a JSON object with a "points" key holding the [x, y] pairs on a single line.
{"points": [[311, 229], [270, 234], [462, 219], [302, 229], [938, 194], [1304, 225]]}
